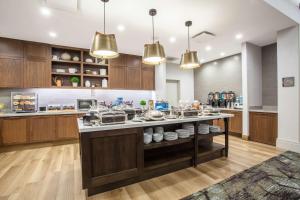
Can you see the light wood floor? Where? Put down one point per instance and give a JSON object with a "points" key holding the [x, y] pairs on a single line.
{"points": [[53, 172]]}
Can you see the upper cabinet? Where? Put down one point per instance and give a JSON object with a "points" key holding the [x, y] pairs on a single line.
{"points": [[148, 77], [11, 63], [37, 69], [133, 72]]}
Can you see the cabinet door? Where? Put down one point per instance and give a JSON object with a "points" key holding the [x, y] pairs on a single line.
{"points": [[10, 48], [236, 122], [133, 78], [37, 73], [148, 77], [11, 73], [263, 128], [42, 129], [120, 61], [14, 131], [111, 156], [37, 51], [117, 77], [66, 127]]}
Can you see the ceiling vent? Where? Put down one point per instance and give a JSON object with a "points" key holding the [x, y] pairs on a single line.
{"points": [[203, 36], [65, 5]]}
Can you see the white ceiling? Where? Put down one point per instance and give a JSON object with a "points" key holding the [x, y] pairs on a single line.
{"points": [[256, 20]]}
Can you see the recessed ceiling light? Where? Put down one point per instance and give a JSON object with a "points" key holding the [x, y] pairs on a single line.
{"points": [[202, 60], [172, 39], [215, 63], [222, 54], [45, 11], [208, 48], [121, 28], [238, 36], [52, 34]]}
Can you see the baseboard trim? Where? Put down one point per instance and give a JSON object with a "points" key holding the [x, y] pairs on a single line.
{"points": [[288, 145], [245, 137]]}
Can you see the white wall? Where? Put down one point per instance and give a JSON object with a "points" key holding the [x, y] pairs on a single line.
{"points": [[252, 81], [288, 97], [186, 79], [160, 81]]}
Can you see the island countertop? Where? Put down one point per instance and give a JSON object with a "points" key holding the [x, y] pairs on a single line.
{"points": [[130, 124]]}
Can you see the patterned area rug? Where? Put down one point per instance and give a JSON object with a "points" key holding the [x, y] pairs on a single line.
{"points": [[274, 179]]}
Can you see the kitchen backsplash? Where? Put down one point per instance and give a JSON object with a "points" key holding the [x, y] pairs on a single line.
{"points": [[69, 96]]}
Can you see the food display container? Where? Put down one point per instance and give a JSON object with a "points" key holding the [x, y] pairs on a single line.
{"points": [[24, 102], [113, 117]]}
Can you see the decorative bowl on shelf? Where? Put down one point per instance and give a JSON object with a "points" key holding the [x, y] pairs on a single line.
{"points": [[72, 70], [66, 56], [89, 60], [94, 72], [60, 70], [87, 71], [55, 57], [75, 58]]}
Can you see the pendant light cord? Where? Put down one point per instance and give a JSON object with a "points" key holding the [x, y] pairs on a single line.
{"points": [[104, 16], [153, 29], [188, 38]]}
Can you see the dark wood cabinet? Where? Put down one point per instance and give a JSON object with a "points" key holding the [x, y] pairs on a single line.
{"points": [[11, 73], [37, 69], [14, 131], [148, 77], [116, 155], [42, 129], [133, 72], [66, 127], [120, 61], [117, 77], [263, 127], [235, 125], [10, 48]]}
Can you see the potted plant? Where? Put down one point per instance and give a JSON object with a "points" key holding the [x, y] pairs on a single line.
{"points": [[74, 80], [143, 103]]}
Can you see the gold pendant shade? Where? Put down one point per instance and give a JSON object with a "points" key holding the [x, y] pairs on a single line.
{"points": [[189, 60], [154, 54], [104, 46]]}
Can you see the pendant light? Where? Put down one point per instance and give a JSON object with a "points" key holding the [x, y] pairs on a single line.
{"points": [[154, 53], [189, 59], [104, 45]]}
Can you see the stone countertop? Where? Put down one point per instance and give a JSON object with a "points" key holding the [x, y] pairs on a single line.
{"points": [[130, 124], [263, 110], [12, 114]]}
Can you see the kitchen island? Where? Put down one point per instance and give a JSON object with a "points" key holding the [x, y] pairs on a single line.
{"points": [[113, 156]]}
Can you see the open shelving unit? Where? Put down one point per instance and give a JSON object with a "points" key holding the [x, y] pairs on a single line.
{"points": [[87, 68]]}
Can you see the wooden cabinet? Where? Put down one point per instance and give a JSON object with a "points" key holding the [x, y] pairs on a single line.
{"points": [[117, 77], [235, 125], [11, 73], [14, 131], [37, 69], [120, 60], [263, 127], [42, 128], [113, 156], [66, 127], [148, 77], [133, 72], [11, 63]]}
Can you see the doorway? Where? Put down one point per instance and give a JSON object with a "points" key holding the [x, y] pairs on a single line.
{"points": [[173, 92]]}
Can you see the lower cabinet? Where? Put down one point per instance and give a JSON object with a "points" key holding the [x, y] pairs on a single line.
{"points": [[112, 156], [66, 127], [263, 127], [42, 129], [235, 125], [23, 130], [14, 131]]}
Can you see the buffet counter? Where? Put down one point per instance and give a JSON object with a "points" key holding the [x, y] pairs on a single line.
{"points": [[41, 113], [113, 156]]}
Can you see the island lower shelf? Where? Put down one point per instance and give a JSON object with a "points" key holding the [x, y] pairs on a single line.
{"points": [[118, 157]]}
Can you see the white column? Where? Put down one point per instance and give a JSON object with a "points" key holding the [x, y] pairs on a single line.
{"points": [[288, 97], [251, 80], [160, 81]]}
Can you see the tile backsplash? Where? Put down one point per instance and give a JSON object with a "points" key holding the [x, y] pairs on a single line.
{"points": [[70, 96]]}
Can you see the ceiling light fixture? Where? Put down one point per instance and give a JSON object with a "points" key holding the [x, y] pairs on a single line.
{"points": [[104, 45], [202, 60], [172, 39], [189, 59], [45, 11], [208, 48], [121, 28], [239, 36], [222, 54], [154, 53], [52, 34]]}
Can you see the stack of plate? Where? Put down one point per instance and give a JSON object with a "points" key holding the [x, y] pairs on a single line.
{"points": [[159, 129], [183, 133], [147, 138], [148, 130], [190, 127], [203, 129], [169, 136], [214, 129], [158, 137]]}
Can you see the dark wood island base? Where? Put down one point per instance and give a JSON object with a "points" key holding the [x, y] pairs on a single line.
{"points": [[114, 158]]}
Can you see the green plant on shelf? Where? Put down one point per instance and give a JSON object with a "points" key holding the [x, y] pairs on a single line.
{"points": [[143, 104], [74, 80]]}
